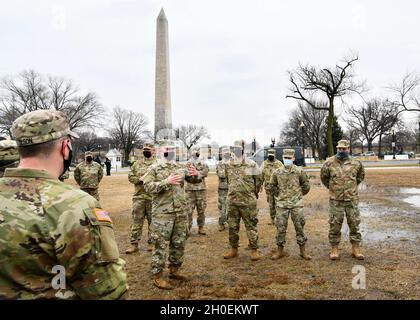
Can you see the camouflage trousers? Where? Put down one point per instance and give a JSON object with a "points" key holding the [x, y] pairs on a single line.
{"points": [[282, 218], [339, 209], [92, 191], [142, 209], [249, 217], [222, 193], [271, 204], [196, 199], [169, 234]]}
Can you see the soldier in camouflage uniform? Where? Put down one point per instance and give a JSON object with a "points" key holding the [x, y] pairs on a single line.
{"points": [[342, 174], [50, 229], [142, 201], [196, 192], [223, 187], [9, 155], [289, 184], [268, 167], [165, 181], [88, 174], [244, 184]]}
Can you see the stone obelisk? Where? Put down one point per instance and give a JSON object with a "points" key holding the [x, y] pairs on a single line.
{"points": [[163, 117]]}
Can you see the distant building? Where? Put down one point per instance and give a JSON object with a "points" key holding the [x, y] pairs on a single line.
{"points": [[116, 158]]}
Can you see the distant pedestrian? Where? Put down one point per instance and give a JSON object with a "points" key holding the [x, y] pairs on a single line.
{"points": [[108, 166]]}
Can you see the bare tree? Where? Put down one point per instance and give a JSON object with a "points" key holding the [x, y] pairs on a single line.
{"points": [[309, 84], [353, 135], [31, 91], [314, 130], [373, 120], [191, 134], [407, 93], [128, 129]]}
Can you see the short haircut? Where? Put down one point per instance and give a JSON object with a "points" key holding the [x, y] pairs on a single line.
{"points": [[41, 149]]}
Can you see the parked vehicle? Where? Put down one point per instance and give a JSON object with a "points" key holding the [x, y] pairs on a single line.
{"points": [[262, 155], [370, 154]]}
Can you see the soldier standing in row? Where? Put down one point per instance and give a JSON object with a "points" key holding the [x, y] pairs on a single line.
{"points": [[342, 174], [9, 155], [289, 184], [268, 167], [196, 192], [244, 184], [88, 174], [50, 229], [142, 200], [165, 181], [223, 187]]}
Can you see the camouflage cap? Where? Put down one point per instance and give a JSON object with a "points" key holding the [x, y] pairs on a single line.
{"points": [[166, 144], [343, 144], [88, 153], [288, 153], [8, 150], [148, 145], [239, 144], [225, 149], [271, 152], [40, 126]]}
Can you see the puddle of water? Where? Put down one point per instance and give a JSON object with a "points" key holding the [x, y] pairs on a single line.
{"points": [[410, 191], [414, 196], [209, 220], [388, 234]]}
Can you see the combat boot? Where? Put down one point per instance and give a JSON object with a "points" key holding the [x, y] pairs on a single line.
{"points": [[132, 248], [233, 253], [201, 231], [255, 255], [334, 255], [174, 273], [222, 227], [279, 253], [160, 282], [355, 251], [150, 247], [303, 253]]}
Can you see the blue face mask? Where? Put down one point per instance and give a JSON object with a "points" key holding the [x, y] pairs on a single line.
{"points": [[288, 162]]}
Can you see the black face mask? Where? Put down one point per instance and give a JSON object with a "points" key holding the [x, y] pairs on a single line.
{"points": [[271, 158], [196, 155], [89, 159], [67, 162], [147, 154], [169, 155]]}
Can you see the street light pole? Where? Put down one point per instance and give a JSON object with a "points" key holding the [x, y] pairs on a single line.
{"points": [[393, 144], [302, 127]]}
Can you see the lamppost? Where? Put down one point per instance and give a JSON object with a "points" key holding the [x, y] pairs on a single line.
{"points": [[302, 127], [393, 144], [132, 143], [419, 138]]}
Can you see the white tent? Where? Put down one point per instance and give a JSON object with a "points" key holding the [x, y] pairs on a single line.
{"points": [[116, 158]]}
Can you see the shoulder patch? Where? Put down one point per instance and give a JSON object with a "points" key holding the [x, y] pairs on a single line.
{"points": [[101, 215]]}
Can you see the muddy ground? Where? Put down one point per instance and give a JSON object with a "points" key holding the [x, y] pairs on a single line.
{"points": [[390, 212]]}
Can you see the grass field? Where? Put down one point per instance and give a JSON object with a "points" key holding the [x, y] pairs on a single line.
{"points": [[390, 227]]}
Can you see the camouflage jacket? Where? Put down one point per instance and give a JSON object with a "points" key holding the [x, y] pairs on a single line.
{"points": [[88, 175], [342, 177], [221, 174], [289, 185], [267, 168], [45, 223], [166, 198], [138, 169], [244, 182], [203, 171]]}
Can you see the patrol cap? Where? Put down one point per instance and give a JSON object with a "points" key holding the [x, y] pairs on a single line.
{"points": [[168, 144], [148, 146], [225, 150], [343, 144], [289, 153], [40, 126], [88, 153], [8, 150], [239, 144], [271, 152]]}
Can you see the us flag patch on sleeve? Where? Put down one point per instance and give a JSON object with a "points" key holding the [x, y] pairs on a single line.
{"points": [[102, 215]]}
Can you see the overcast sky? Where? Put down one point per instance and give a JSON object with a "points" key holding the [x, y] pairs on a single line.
{"points": [[228, 58]]}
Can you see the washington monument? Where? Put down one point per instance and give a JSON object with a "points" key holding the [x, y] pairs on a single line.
{"points": [[163, 117]]}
